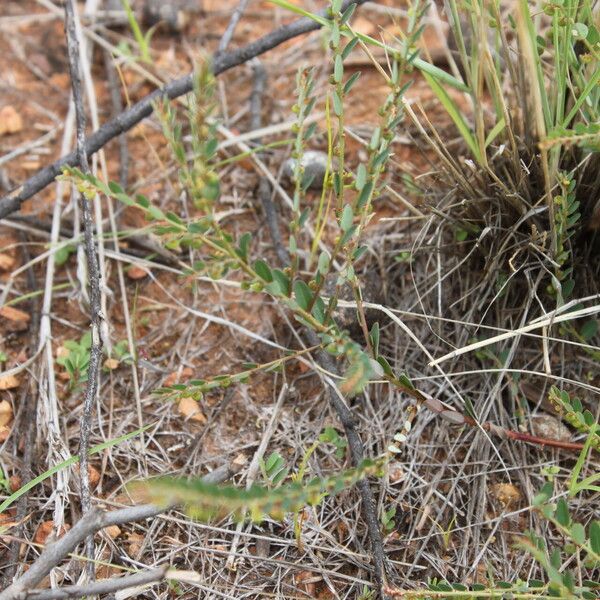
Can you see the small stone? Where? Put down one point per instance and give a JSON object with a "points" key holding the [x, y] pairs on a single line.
{"points": [[549, 427], [10, 120], [315, 168], [173, 14]]}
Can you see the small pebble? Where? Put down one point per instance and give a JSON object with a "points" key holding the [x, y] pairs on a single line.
{"points": [[315, 166], [172, 14], [550, 427]]}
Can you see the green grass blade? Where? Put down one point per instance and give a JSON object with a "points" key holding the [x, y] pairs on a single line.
{"points": [[141, 40], [300, 11], [496, 130], [530, 38], [455, 115], [67, 463], [587, 90], [418, 63]]}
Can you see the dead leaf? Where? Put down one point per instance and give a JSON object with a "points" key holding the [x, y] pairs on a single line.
{"points": [[4, 433], [134, 543], [9, 382], [306, 581], [10, 120], [6, 413], [7, 262], [14, 319], [190, 409], [396, 472], [62, 352], [176, 377], [112, 531], [45, 529], [7, 520], [111, 364], [507, 494], [136, 272], [93, 475]]}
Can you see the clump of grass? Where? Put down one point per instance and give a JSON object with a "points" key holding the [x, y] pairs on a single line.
{"points": [[525, 184]]}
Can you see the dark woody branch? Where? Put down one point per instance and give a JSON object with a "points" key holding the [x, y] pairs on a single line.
{"points": [[142, 109]]}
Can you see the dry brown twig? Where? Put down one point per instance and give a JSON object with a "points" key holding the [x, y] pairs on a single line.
{"points": [[95, 520], [93, 275]]}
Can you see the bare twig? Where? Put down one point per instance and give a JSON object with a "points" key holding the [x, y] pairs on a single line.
{"points": [[28, 146], [54, 553], [104, 586], [452, 415], [95, 520], [93, 274], [254, 466], [233, 21], [259, 84], [357, 454], [142, 109]]}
